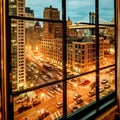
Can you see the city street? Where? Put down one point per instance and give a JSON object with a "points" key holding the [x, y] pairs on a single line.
{"points": [[50, 98], [47, 102]]}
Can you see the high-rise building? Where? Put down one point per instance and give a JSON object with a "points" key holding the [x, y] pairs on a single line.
{"points": [[29, 13], [52, 30], [32, 41], [17, 8]]}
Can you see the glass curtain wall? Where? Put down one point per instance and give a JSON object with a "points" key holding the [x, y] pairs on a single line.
{"points": [[61, 58]]}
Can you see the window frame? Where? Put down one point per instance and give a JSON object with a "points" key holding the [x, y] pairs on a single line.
{"points": [[11, 94]]}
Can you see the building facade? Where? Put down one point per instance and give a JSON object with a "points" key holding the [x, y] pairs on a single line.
{"points": [[52, 30], [17, 8], [29, 13], [57, 98]]}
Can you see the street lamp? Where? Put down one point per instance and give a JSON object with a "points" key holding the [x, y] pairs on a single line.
{"points": [[31, 85], [42, 95], [76, 85]]}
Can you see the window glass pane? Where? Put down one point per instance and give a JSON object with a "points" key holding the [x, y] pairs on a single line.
{"points": [[36, 9], [80, 92], [80, 40], [44, 103], [49, 5], [107, 46], [106, 13], [37, 61], [107, 81], [107, 43], [36, 53], [77, 12], [80, 55]]}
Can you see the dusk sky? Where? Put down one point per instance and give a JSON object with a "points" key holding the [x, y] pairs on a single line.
{"points": [[78, 10]]}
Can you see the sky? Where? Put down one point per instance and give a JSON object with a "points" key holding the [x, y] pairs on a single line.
{"points": [[78, 10]]}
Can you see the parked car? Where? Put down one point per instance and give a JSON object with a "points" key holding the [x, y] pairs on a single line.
{"points": [[20, 109], [19, 100], [107, 85], [85, 82], [104, 81], [79, 100], [59, 105], [36, 102], [91, 93], [101, 89], [27, 106], [24, 107], [76, 96], [42, 114], [75, 108]]}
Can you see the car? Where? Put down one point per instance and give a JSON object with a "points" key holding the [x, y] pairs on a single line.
{"points": [[101, 89], [20, 109], [36, 102], [19, 100], [24, 107], [27, 106], [91, 93], [85, 82], [79, 100], [76, 96], [42, 114], [45, 77], [104, 81], [75, 108], [59, 105], [107, 85]]}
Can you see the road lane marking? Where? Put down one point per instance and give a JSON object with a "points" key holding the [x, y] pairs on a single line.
{"points": [[50, 94], [59, 114], [56, 115], [56, 92], [52, 117]]}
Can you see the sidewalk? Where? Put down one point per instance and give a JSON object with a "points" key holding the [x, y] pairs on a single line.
{"points": [[108, 115]]}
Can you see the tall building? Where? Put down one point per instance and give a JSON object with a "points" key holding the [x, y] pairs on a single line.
{"points": [[17, 8], [29, 13], [33, 40], [52, 30]]}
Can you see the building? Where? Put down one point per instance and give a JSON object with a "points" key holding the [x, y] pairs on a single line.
{"points": [[17, 8], [32, 41], [80, 55], [50, 29], [51, 49], [72, 97], [29, 13]]}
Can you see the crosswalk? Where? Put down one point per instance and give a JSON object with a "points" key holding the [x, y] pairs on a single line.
{"points": [[55, 115], [49, 94]]}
